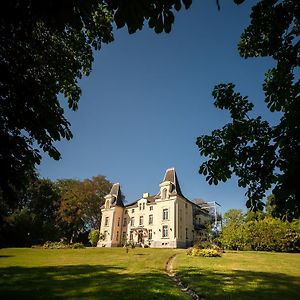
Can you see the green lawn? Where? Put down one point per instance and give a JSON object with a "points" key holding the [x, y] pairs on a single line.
{"points": [[111, 273], [86, 274], [242, 275]]}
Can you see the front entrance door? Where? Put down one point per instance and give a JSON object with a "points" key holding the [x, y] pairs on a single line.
{"points": [[140, 237]]}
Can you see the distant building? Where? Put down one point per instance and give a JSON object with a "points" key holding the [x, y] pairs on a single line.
{"points": [[164, 220]]}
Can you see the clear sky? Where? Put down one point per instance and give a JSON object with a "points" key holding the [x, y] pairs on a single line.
{"points": [[149, 97]]}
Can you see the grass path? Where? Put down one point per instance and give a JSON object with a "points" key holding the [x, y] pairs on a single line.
{"points": [[86, 274]]}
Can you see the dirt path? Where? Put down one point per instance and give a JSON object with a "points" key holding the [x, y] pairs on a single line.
{"points": [[169, 269]]}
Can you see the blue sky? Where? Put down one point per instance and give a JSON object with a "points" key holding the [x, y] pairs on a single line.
{"points": [[149, 97]]}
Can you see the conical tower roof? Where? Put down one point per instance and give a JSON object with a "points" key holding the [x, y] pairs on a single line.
{"points": [[171, 176], [117, 195]]}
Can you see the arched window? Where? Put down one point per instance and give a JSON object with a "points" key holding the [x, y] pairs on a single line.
{"points": [[107, 204]]}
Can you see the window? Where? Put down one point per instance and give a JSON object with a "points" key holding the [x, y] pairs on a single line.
{"points": [[186, 233], [141, 220], [131, 236], [106, 221], [165, 231], [125, 222], [117, 237], [140, 206], [144, 205], [164, 194], [132, 221], [105, 235], [151, 207], [119, 221], [107, 204], [132, 210], [150, 219], [150, 234], [165, 214], [124, 236]]}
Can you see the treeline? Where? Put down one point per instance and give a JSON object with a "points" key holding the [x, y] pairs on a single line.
{"points": [[65, 209], [260, 232]]}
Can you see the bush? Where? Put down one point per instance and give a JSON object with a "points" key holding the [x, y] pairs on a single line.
{"points": [[268, 234], [94, 236], [62, 245], [194, 251], [198, 250], [77, 246], [208, 253], [55, 245]]}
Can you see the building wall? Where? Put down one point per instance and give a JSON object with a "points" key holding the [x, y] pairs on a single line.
{"points": [[171, 224], [174, 221], [111, 226]]}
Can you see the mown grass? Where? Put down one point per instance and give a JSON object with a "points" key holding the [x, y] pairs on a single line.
{"points": [[242, 275], [86, 274]]}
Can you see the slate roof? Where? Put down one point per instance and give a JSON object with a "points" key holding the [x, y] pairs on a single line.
{"points": [[171, 176], [117, 195]]}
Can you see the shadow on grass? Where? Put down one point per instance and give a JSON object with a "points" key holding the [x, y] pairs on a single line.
{"points": [[239, 284], [83, 282]]}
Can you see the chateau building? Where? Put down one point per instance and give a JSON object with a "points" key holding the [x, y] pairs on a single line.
{"points": [[165, 220]]}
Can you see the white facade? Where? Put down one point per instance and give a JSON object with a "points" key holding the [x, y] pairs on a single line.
{"points": [[165, 220]]}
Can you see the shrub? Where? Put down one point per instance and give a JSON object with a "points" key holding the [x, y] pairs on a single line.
{"points": [[189, 251], [268, 234], [94, 236], [215, 251], [55, 245], [62, 245], [77, 246], [194, 251], [208, 253]]}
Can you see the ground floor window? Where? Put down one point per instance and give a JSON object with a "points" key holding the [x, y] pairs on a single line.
{"points": [[131, 236], [165, 231], [150, 234]]}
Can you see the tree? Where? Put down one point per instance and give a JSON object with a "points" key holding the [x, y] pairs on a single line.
{"points": [[94, 237], [45, 48], [34, 219], [80, 205], [233, 217], [260, 155], [260, 233], [231, 235]]}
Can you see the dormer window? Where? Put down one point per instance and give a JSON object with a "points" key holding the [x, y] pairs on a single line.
{"points": [[164, 194], [107, 204]]}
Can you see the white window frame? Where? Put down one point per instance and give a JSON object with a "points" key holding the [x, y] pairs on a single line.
{"points": [[141, 221], [165, 231], [151, 219], [165, 214], [132, 221]]}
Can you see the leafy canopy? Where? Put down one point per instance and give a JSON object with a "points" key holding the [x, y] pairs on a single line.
{"points": [[45, 48], [260, 155]]}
